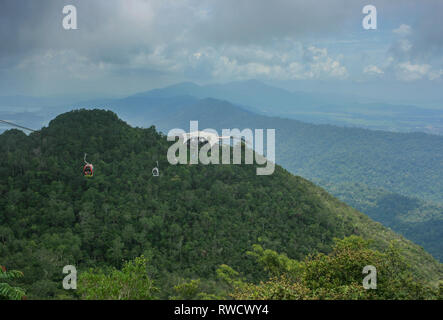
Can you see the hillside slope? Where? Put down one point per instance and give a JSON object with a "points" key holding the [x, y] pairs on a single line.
{"points": [[187, 221], [417, 220], [404, 166], [406, 163]]}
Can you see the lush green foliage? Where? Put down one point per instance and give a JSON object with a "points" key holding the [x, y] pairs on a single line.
{"points": [[418, 220], [337, 275], [7, 291], [349, 162], [131, 283], [186, 222]]}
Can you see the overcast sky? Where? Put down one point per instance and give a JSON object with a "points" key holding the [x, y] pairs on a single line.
{"points": [[123, 47]]}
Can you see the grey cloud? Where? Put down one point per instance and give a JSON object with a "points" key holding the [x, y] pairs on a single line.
{"points": [[118, 39], [258, 21], [427, 39], [415, 53], [424, 41], [111, 30]]}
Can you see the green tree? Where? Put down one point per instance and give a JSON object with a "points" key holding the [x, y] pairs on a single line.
{"points": [[337, 275], [130, 283], [7, 291]]}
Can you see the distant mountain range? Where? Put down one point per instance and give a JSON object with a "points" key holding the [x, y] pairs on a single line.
{"points": [[264, 99], [315, 108]]}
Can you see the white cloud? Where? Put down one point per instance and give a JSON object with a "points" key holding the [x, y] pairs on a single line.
{"points": [[373, 70], [325, 66], [403, 30], [227, 68], [267, 63], [408, 71]]}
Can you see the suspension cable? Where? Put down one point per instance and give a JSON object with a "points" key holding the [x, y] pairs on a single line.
{"points": [[16, 125]]}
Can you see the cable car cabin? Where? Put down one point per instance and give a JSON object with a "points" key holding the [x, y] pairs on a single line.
{"points": [[88, 170]]}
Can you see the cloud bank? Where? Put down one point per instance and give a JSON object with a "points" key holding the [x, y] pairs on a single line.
{"points": [[126, 46]]}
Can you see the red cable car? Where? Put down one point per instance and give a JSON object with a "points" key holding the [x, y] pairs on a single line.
{"points": [[88, 169]]}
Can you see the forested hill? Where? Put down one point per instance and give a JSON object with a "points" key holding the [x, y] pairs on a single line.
{"points": [[187, 221], [404, 166], [406, 163], [417, 220]]}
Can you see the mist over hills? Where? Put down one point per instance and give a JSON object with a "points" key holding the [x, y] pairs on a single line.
{"points": [[313, 107], [261, 98]]}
